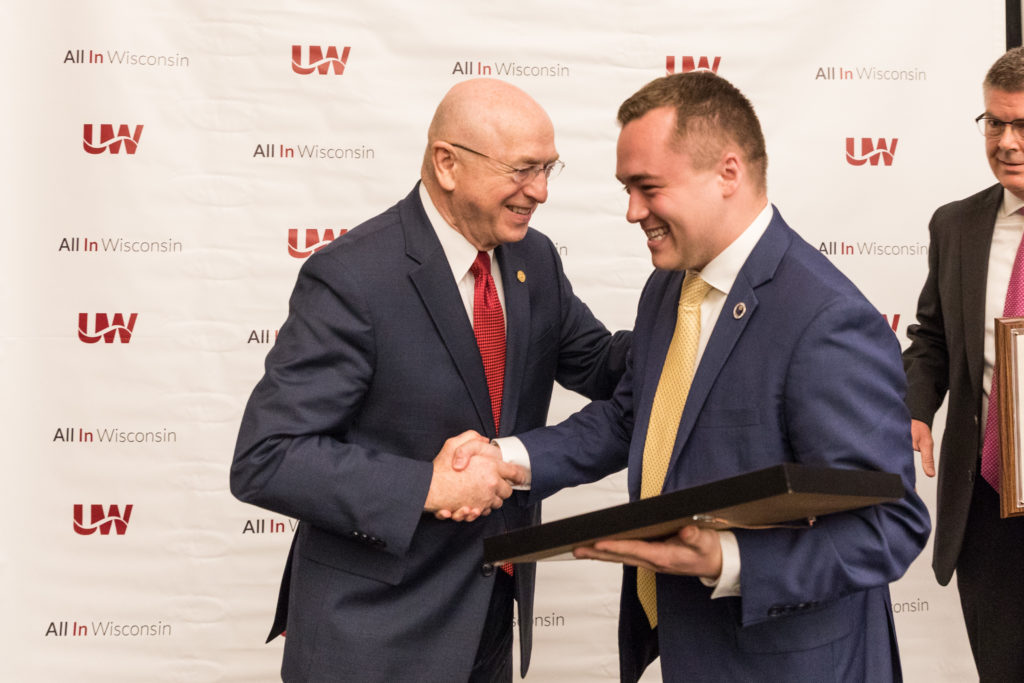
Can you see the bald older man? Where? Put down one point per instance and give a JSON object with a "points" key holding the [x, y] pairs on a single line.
{"points": [[444, 314]]}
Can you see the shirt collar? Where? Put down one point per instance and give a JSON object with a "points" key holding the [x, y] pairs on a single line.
{"points": [[722, 270], [457, 249], [1011, 203]]}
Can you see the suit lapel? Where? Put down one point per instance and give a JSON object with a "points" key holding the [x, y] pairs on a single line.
{"points": [[759, 268], [517, 330], [434, 282], [974, 247]]}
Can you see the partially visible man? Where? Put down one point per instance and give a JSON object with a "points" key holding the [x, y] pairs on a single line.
{"points": [[750, 349], [445, 313], [975, 274]]}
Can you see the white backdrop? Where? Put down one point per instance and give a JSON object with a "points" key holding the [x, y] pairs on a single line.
{"points": [[186, 238]]}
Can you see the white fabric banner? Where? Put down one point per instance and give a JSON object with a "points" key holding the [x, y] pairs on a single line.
{"points": [[169, 165]]}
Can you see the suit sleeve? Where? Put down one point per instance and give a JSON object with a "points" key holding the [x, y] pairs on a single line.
{"points": [[292, 456], [587, 446], [595, 441], [843, 407], [926, 360]]}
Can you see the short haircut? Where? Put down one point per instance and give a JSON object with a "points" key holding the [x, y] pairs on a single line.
{"points": [[710, 112], [1007, 73]]}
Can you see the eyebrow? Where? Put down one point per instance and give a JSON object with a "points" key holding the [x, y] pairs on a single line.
{"points": [[634, 179], [535, 162]]}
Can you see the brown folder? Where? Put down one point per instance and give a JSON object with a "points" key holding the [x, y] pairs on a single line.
{"points": [[787, 493]]}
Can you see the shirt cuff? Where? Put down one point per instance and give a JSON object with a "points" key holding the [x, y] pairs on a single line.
{"points": [[728, 582], [513, 451]]}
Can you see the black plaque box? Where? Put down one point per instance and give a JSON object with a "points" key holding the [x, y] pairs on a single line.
{"points": [[775, 495]]}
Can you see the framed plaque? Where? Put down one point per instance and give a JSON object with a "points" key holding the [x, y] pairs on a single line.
{"points": [[1009, 361], [788, 494]]}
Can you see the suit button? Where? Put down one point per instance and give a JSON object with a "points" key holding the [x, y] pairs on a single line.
{"points": [[774, 611], [486, 569]]}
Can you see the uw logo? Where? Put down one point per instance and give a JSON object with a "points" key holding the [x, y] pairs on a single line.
{"points": [[870, 152], [314, 241], [109, 141], [102, 521], [687, 64], [107, 328], [318, 61]]}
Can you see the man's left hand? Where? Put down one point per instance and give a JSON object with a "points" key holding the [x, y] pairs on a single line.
{"points": [[693, 551]]}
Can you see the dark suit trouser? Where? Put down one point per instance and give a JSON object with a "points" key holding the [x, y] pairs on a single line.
{"points": [[990, 578], [493, 663]]}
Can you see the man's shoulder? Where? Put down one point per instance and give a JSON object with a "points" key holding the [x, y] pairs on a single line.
{"points": [[987, 199], [372, 235], [806, 278], [381, 242]]}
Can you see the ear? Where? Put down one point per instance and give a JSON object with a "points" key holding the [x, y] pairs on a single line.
{"points": [[443, 158], [731, 172]]}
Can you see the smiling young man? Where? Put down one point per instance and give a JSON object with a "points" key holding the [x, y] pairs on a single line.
{"points": [[446, 313], [975, 267], [789, 363]]}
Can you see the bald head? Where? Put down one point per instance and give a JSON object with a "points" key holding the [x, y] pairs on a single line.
{"points": [[479, 111], [482, 132]]}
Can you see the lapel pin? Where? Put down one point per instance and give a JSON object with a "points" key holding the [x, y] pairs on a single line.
{"points": [[521, 276], [739, 310]]}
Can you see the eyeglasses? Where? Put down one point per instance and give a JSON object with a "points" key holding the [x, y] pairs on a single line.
{"points": [[524, 175], [992, 127]]}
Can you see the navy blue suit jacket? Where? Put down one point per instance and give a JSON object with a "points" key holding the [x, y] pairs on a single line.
{"points": [[375, 367], [808, 373]]}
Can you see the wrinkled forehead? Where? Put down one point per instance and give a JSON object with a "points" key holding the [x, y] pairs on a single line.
{"points": [[517, 136]]}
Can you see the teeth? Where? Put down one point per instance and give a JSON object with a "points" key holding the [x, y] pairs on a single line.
{"points": [[656, 233], [520, 210]]}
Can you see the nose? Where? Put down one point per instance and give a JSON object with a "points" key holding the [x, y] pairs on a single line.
{"points": [[537, 188], [637, 209], [1009, 139]]}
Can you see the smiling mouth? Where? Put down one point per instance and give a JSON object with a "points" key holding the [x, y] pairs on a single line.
{"points": [[522, 211], [655, 234]]}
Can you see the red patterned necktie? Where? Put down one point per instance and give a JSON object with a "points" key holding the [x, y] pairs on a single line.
{"points": [[1014, 307], [489, 330]]}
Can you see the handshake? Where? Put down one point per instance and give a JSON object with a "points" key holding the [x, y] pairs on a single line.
{"points": [[470, 479]]}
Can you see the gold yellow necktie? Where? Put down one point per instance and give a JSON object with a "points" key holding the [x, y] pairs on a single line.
{"points": [[669, 399]]}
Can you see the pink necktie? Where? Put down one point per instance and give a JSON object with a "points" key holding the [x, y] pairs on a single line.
{"points": [[1014, 307]]}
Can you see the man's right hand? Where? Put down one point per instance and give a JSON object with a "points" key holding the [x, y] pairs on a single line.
{"points": [[922, 437], [471, 448], [481, 486]]}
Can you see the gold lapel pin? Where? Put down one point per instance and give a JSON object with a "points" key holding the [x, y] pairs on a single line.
{"points": [[521, 276], [739, 310]]}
